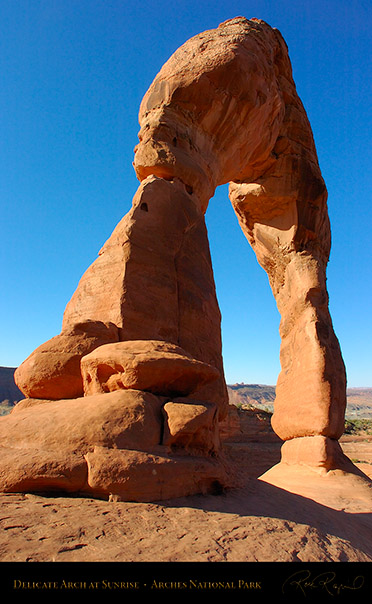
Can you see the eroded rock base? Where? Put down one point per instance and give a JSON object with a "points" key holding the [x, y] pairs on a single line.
{"points": [[315, 467], [123, 444]]}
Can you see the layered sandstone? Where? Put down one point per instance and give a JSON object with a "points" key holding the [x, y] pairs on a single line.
{"points": [[223, 109], [104, 445]]}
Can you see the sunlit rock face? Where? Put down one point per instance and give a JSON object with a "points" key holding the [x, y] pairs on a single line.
{"points": [[148, 369]]}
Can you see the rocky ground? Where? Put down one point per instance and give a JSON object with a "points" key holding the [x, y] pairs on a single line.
{"points": [[253, 522]]}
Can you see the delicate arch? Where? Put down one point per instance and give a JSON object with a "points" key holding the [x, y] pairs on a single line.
{"points": [[225, 108], [144, 318]]}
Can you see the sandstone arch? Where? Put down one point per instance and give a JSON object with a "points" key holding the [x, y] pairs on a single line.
{"points": [[144, 320]]}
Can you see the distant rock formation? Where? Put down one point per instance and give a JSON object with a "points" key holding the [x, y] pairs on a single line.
{"points": [[128, 399], [10, 394], [256, 395]]}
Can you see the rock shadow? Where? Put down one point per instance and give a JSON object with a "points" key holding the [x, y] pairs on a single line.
{"points": [[262, 500]]}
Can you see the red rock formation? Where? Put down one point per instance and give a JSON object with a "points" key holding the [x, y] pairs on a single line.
{"points": [[192, 426], [224, 108], [99, 445], [154, 279], [52, 371], [157, 367]]}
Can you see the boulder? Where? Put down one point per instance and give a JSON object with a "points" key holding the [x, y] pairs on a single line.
{"points": [[30, 469], [136, 476], [191, 425], [122, 419], [52, 371], [105, 445], [152, 366]]}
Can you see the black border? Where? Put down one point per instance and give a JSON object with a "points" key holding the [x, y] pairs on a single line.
{"points": [[298, 582]]}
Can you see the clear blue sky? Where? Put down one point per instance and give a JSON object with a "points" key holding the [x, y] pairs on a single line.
{"points": [[73, 73]]}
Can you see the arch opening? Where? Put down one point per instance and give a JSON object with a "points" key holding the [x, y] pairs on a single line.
{"points": [[249, 315]]}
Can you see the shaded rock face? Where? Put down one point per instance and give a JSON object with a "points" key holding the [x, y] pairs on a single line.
{"points": [[223, 109]]}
